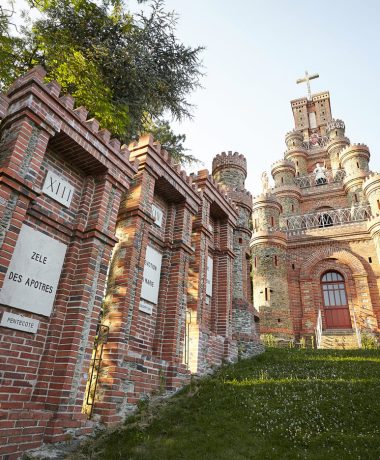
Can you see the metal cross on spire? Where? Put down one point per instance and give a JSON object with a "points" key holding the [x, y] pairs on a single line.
{"points": [[306, 80]]}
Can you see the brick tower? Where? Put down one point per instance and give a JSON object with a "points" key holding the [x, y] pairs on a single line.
{"points": [[315, 243], [230, 170]]}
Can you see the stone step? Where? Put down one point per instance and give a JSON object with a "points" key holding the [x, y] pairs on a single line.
{"points": [[339, 341], [338, 332]]}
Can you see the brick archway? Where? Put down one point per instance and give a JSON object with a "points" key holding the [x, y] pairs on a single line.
{"points": [[342, 255], [331, 258]]}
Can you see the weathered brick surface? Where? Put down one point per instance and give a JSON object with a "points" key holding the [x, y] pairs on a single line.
{"points": [[43, 375], [98, 332], [230, 171], [288, 265]]}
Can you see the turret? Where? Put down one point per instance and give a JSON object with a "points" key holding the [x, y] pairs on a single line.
{"points": [[230, 169], [270, 287], [371, 189], [354, 160], [337, 141], [265, 213], [283, 172], [296, 152], [293, 139]]}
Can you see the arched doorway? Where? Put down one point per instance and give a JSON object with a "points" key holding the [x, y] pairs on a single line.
{"points": [[334, 295]]}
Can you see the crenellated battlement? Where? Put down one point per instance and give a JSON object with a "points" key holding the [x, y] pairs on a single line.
{"points": [[283, 163], [282, 166], [354, 150], [36, 76], [265, 199], [229, 159], [371, 183], [294, 139], [294, 133], [241, 197], [147, 141]]}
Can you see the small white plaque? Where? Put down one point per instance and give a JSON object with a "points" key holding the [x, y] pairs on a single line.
{"points": [[151, 275], [33, 274], [20, 323], [146, 307], [210, 266], [58, 188], [157, 215]]}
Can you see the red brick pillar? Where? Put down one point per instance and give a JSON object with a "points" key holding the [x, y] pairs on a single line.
{"points": [[169, 335], [222, 280], [122, 301], [45, 366], [78, 305], [144, 349]]}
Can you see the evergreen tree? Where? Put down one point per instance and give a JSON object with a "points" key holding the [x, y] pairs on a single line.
{"points": [[130, 71]]}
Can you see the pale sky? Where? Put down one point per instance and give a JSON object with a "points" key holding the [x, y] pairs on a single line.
{"points": [[256, 50]]}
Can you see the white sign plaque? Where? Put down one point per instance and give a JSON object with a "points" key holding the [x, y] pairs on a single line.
{"points": [[146, 307], [210, 266], [151, 275], [32, 278], [157, 215], [58, 188], [21, 323]]}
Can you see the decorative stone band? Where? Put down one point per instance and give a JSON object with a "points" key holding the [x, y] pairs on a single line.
{"points": [[373, 226], [353, 151], [283, 165], [337, 143], [272, 236], [371, 184], [293, 153], [286, 191], [265, 201], [354, 181]]}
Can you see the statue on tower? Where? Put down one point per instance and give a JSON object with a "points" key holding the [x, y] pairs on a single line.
{"points": [[320, 174], [265, 182]]}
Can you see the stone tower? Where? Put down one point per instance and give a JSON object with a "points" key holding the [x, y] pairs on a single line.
{"points": [[316, 244], [230, 170]]}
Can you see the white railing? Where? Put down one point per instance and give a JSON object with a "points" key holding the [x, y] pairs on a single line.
{"points": [[318, 329], [330, 176], [325, 218], [357, 330]]}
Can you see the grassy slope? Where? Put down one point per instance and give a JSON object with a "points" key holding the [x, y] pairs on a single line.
{"points": [[284, 404]]}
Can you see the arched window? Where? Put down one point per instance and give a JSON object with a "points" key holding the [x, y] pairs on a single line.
{"points": [[333, 289]]}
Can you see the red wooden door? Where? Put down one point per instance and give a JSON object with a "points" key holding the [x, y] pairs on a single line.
{"points": [[337, 313]]}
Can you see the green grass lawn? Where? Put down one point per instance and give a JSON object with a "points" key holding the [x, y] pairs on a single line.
{"points": [[284, 404]]}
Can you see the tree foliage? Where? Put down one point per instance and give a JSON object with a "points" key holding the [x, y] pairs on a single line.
{"points": [[130, 71]]}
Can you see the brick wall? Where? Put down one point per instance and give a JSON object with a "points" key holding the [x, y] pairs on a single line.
{"points": [[110, 340], [43, 375]]}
